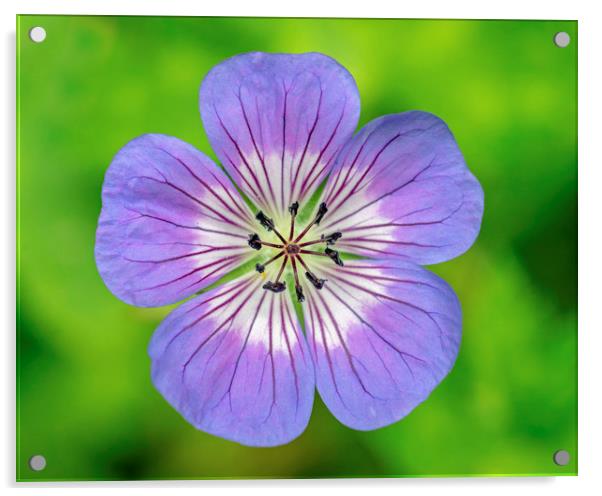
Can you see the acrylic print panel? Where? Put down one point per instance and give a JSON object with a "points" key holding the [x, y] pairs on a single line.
{"points": [[420, 320]]}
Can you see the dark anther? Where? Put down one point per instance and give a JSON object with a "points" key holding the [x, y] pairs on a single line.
{"points": [[294, 208], [322, 209], [254, 241], [331, 239], [276, 287], [259, 268], [265, 221], [300, 296], [318, 283], [334, 256]]}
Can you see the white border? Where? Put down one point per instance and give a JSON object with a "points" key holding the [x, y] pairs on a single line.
{"points": [[590, 239]]}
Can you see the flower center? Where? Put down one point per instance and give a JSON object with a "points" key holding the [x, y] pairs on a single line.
{"points": [[293, 250]]}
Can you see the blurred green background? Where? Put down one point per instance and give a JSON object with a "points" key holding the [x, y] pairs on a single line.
{"points": [[85, 399]]}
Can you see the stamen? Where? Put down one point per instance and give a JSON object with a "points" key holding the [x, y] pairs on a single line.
{"points": [[318, 283], [322, 209], [300, 295], [268, 223], [331, 239], [261, 267], [254, 241], [293, 209], [281, 269], [334, 256], [298, 288], [265, 221], [273, 245], [276, 287], [312, 252]]}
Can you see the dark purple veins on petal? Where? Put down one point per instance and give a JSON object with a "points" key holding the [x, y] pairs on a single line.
{"points": [[171, 222], [234, 363]]}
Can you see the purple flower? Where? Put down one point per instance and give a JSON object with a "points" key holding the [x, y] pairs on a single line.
{"points": [[380, 331]]}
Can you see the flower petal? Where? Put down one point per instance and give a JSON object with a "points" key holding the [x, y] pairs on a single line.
{"points": [[382, 337], [276, 122], [171, 222], [235, 364], [401, 188]]}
